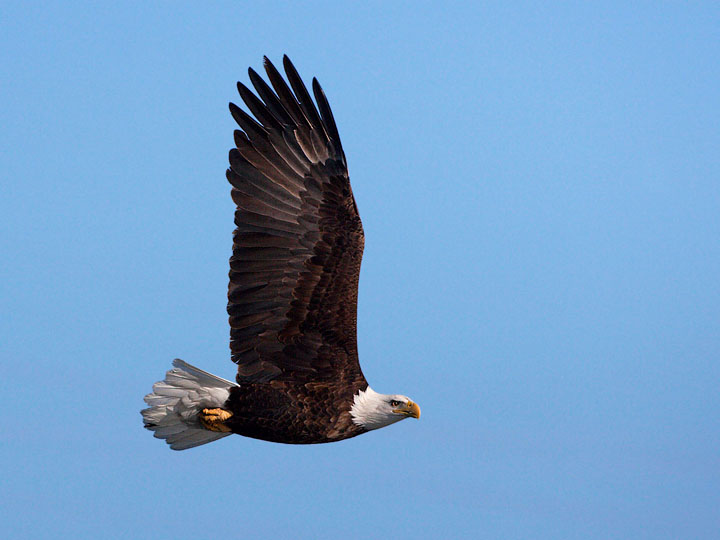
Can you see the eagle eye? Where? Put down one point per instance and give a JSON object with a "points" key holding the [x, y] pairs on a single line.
{"points": [[394, 402]]}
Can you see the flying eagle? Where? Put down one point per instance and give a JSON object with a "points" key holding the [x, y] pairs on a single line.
{"points": [[292, 298]]}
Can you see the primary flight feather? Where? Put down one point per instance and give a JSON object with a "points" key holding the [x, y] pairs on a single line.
{"points": [[292, 298]]}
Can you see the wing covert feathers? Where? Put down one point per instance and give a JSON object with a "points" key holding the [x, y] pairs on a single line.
{"points": [[297, 248]]}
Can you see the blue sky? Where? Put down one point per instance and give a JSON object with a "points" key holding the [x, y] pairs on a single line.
{"points": [[540, 191]]}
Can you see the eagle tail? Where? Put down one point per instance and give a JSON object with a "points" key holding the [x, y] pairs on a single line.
{"points": [[176, 402]]}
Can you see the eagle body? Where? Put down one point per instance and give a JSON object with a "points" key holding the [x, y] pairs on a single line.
{"points": [[292, 296], [291, 413]]}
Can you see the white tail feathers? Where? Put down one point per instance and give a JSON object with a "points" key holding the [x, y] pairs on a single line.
{"points": [[176, 402]]}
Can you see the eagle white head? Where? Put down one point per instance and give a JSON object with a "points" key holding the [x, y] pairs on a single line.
{"points": [[372, 410]]}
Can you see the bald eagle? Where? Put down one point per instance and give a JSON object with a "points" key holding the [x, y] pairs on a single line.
{"points": [[292, 298]]}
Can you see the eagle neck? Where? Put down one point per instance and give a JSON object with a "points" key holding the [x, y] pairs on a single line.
{"points": [[370, 410]]}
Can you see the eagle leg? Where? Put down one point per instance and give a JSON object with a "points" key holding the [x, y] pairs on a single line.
{"points": [[214, 419]]}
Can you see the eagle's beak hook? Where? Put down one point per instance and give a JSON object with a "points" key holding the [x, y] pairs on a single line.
{"points": [[412, 409]]}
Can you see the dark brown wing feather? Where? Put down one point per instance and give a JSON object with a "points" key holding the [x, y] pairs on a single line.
{"points": [[299, 240]]}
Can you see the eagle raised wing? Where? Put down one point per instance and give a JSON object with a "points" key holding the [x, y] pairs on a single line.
{"points": [[299, 239]]}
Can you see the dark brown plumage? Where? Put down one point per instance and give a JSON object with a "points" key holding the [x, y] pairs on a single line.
{"points": [[294, 269]]}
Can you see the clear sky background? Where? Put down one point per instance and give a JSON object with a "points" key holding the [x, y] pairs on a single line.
{"points": [[540, 190]]}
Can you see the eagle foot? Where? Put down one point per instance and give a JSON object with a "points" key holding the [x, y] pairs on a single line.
{"points": [[214, 419]]}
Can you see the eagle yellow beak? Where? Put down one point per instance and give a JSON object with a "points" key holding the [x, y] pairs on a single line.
{"points": [[410, 408]]}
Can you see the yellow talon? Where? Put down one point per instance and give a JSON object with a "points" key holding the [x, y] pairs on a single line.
{"points": [[214, 419]]}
